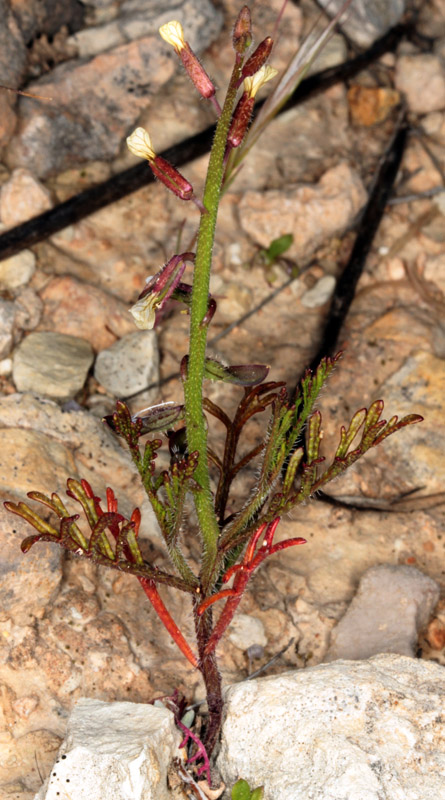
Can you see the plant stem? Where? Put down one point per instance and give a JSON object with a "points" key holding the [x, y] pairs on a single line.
{"points": [[211, 676], [195, 422]]}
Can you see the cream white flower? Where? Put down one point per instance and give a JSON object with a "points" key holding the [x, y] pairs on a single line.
{"points": [[139, 143], [173, 33], [143, 312], [256, 81]]}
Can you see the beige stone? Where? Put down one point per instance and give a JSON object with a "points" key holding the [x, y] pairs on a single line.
{"points": [[422, 80], [22, 197], [311, 213], [79, 309]]}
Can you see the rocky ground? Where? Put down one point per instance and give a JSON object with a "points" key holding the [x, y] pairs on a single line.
{"points": [[68, 346]]}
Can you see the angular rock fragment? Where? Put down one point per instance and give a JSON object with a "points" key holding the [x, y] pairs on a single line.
{"points": [[120, 750], [367, 729]]}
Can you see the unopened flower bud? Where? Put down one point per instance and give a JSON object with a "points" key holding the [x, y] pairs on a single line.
{"points": [[242, 31], [253, 83], [173, 34], [240, 120], [139, 143], [258, 58], [243, 111]]}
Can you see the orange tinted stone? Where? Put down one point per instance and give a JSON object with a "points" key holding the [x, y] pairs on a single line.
{"points": [[369, 106]]}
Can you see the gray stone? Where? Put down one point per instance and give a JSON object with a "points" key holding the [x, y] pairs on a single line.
{"points": [[201, 21], [7, 314], [364, 22], [114, 750], [392, 605], [129, 365], [96, 103], [52, 364], [344, 731], [17, 270], [12, 47]]}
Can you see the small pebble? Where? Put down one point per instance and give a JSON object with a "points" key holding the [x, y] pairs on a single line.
{"points": [[129, 365], [17, 270], [246, 631], [22, 197], [7, 315], [320, 293]]}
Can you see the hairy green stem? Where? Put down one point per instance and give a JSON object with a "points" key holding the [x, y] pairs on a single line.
{"points": [[195, 422]]}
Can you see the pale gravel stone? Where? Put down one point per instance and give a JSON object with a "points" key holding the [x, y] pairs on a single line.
{"points": [[421, 78], [247, 631], [22, 197], [343, 731], [320, 293], [364, 22], [7, 314], [392, 605], [52, 364], [114, 751], [17, 270], [129, 365], [6, 366], [28, 309]]}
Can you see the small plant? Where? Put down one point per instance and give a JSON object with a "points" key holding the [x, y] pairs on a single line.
{"points": [[268, 257], [233, 545], [242, 791]]}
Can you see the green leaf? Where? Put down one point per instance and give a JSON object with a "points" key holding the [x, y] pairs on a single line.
{"points": [[314, 436], [241, 790], [348, 436], [277, 247], [257, 794]]}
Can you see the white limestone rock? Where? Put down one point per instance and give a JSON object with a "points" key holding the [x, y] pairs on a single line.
{"points": [[392, 605], [362, 730], [114, 751]]}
